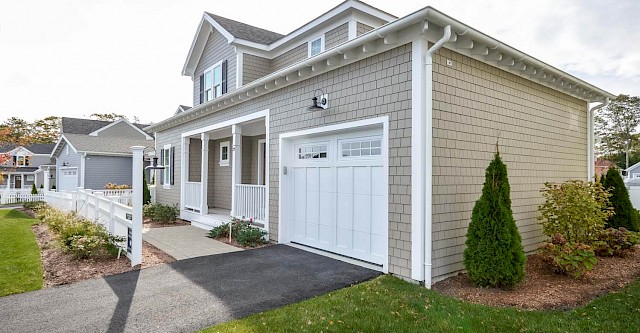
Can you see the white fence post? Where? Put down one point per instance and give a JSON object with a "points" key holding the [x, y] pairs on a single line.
{"points": [[136, 235], [111, 216]]}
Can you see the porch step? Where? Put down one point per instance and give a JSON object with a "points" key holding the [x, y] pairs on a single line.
{"points": [[206, 222]]}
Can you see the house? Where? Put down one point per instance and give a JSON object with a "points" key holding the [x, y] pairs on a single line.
{"points": [[366, 137], [602, 166], [91, 153], [632, 172], [29, 164]]}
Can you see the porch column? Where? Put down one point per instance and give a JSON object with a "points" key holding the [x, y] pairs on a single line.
{"points": [[47, 181], [236, 164], [204, 174], [8, 182], [22, 181], [184, 173]]}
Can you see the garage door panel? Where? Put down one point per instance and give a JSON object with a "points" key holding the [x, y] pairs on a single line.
{"points": [[313, 206], [362, 220], [378, 215], [377, 246], [344, 239], [300, 179], [362, 180], [345, 211], [327, 180], [361, 242], [312, 231], [345, 180], [327, 209], [313, 180], [326, 236], [379, 184]]}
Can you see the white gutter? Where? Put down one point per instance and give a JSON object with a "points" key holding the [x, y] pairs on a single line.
{"points": [[428, 153], [590, 136]]}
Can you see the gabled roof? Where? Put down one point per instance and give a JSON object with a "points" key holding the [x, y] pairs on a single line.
{"points": [[100, 145], [242, 34], [181, 108], [632, 167], [86, 126], [245, 31], [122, 120], [35, 148]]}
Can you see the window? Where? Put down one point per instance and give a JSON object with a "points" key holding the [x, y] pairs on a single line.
{"points": [[20, 161], [316, 46], [66, 150], [361, 148], [166, 161], [312, 151], [224, 153], [29, 178], [212, 82]]}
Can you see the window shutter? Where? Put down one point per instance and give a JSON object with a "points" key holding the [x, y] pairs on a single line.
{"points": [[224, 77], [162, 162], [201, 88], [172, 170]]}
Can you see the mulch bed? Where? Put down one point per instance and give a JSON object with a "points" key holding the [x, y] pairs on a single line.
{"points": [[149, 224], [542, 289], [233, 242], [62, 268]]}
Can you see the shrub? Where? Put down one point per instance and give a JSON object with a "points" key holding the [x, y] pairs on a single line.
{"points": [[616, 242], [574, 209], [251, 236], [625, 215], [111, 186], [146, 194], [34, 205], [237, 225], [494, 255], [160, 213], [34, 190], [565, 258]]}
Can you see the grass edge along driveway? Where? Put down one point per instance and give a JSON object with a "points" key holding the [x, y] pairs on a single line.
{"points": [[388, 304], [20, 264]]}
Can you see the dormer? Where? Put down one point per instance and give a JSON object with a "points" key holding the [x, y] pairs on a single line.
{"points": [[226, 54]]}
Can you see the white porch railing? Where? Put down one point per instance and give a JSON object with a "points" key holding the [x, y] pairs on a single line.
{"points": [[113, 193], [103, 210], [192, 195], [251, 202]]}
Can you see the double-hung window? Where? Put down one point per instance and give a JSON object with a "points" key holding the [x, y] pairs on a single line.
{"points": [[316, 46], [20, 161], [166, 161], [212, 82]]}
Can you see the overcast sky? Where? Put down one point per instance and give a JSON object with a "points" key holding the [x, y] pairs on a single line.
{"points": [[78, 57]]}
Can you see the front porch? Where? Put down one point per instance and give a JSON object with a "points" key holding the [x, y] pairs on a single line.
{"points": [[230, 160]]}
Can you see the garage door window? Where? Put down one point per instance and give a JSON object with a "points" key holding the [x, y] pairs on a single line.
{"points": [[312, 152], [360, 148]]}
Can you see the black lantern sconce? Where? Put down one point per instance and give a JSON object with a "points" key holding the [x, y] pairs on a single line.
{"points": [[321, 104], [154, 164]]}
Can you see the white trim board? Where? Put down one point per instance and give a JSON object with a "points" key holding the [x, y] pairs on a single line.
{"points": [[238, 120]]}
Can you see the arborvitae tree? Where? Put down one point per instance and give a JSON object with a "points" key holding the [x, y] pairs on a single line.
{"points": [[625, 215], [146, 194], [494, 255], [34, 190]]}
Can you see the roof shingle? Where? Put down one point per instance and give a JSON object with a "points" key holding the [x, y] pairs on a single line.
{"points": [[246, 31]]}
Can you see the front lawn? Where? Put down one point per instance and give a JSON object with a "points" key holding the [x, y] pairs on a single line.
{"points": [[388, 304], [20, 267]]}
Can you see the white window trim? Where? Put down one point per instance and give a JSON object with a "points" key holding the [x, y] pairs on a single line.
{"points": [[225, 144], [23, 160], [360, 139], [166, 172], [204, 91], [321, 37]]}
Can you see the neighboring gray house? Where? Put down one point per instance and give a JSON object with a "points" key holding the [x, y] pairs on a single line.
{"points": [[632, 172], [28, 165], [92, 153], [386, 172]]}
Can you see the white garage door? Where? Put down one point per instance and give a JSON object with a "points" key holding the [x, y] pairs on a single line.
{"points": [[338, 193], [68, 179]]}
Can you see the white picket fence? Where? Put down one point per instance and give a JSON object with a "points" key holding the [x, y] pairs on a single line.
{"points": [[8, 198], [112, 212]]}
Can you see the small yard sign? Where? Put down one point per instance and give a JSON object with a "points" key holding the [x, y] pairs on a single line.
{"points": [[129, 216], [129, 239]]}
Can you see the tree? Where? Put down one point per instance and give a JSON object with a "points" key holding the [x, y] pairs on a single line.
{"points": [[617, 125], [17, 131], [494, 255], [45, 130], [625, 215], [34, 190], [146, 194], [107, 116]]}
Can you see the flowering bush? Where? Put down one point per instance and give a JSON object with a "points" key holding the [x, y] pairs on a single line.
{"points": [[616, 242], [111, 186], [242, 231], [565, 258]]}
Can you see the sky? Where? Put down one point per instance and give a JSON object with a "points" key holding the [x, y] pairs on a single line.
{"points": [[77, 57]]}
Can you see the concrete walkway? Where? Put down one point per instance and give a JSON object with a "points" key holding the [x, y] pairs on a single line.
{"points": [[185, 242], [184, 296]]}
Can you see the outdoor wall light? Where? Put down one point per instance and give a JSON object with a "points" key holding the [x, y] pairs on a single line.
{"points": [[154, 165], [324, 101]]}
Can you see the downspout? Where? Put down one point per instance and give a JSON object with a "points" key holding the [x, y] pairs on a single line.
{"points": [[428, 154], [591, 138]]}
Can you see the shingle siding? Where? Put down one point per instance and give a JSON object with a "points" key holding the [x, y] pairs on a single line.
{"points": [[101, 170], [542, 136], [254, 67], [122, 130], [373, 87], [336, 36], [216, 49], [290, 57], [219, 182], [362, 29]]}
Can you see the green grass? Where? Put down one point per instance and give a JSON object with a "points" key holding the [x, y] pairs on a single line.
{"points": [[20, 265], [387, 304]]}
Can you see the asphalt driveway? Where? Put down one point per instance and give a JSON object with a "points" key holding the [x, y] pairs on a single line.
{"points": [[184, 296]]}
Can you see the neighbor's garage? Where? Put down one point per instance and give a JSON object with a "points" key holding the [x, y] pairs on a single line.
{"points": [[68, 179], [337, 189]]}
